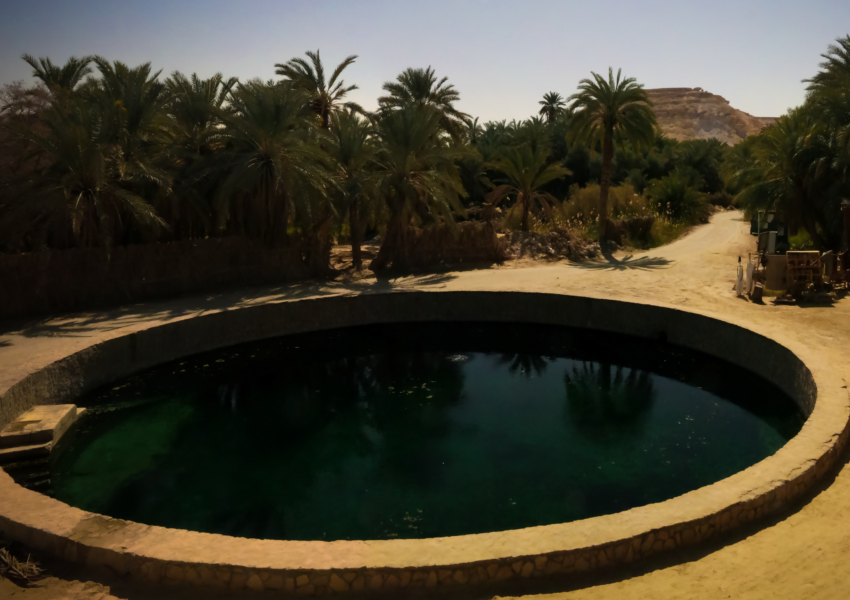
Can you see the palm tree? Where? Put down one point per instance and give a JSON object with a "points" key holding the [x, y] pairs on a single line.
{"points": [[534, 133], [87, 191], [605, 109], [272, 162], [59, 79], [551, 106], [526, 171], [786, 157], [419, 87], [193, 132], [354, 152], [325, 97], [417, 171], [473, 131]]}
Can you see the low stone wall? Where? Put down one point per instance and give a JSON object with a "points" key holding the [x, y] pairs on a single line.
{"points": [[474, 241], [78, 279], [158, 554]]}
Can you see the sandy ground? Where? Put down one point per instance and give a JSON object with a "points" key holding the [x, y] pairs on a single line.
{"points": [[804, 553]]}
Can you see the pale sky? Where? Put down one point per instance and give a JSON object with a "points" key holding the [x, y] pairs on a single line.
{"points": [[502, 55]]}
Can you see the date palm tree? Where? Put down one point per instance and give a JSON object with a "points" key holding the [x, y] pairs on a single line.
{"points": [[353, 152], [551, 106], [326, 97], [193, 133], [526, 171], [420, 87], [606, 109], [417, 172], [86, 192], [59, 79], [780, 174], [272, 162]]}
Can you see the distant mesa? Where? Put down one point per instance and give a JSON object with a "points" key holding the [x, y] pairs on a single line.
{"points": [[694, 114]]}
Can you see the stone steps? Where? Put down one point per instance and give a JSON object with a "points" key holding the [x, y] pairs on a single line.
{"points": [[26, 443], [14, 455]]}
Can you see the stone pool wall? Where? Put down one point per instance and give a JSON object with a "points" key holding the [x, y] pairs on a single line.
{"points": [[160, 555]]}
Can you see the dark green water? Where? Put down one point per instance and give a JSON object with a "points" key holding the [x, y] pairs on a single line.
{"points": [[416, 431]]}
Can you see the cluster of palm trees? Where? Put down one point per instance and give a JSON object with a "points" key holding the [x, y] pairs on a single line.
{"points": [[117, 155], [800, 166], [101, 154]]}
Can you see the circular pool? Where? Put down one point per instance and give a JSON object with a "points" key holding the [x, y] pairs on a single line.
{"points": [[416, 430]]}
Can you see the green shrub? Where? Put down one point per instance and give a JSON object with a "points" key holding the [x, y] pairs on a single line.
{"points": [[675, 197]]}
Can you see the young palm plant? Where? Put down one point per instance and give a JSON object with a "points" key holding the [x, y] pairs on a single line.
{"points": [[271, 164], [605, 109], [416, 168], [353, 152], [326, 98], [526, 171]]}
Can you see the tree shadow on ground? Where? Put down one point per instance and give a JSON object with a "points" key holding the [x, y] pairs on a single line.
{"points": [[609, 262], [91, 322]]}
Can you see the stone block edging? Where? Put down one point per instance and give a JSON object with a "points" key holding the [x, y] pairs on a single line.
{"points": [[163, 555]]}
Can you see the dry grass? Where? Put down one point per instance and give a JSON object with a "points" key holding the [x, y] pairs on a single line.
{"points": [[23, 573]]}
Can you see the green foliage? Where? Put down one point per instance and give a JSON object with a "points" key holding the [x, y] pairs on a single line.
{"points": [[326, 97], [271, 163], [420, 87], [677, 197], [608, 110], [800, 165], [526, 170]]}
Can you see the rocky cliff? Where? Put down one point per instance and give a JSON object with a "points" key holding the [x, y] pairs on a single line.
{"points": [[692, 114]]}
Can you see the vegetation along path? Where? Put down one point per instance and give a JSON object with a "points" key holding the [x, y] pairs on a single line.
{"points": [[801, 554]]}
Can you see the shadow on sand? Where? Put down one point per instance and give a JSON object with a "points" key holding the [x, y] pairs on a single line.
{"points": [[627, 263], [91, 322]]}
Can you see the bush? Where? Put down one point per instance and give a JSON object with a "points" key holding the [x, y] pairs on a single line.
{"points": [[673, 196]]}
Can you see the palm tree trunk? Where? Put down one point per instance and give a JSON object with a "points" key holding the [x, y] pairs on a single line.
{"points": [[525, 207], [605, 184], [354, 225], [394, 248]]}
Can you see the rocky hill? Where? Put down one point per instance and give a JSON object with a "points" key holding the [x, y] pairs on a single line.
{"points": [[694, 114]]}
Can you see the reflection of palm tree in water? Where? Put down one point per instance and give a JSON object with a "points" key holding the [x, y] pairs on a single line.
{"points": [[600, 404], [524, 363]]}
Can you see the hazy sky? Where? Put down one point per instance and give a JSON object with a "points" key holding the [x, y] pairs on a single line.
{"points": [[502, 55]]}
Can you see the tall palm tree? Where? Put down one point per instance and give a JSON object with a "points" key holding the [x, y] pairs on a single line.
{"points": [[420, 87], [326, 97], [551, 106], [416, 169], [353, 152], [59, 79], [193, 133], [526, 171], [605, 109], [272, 162]]}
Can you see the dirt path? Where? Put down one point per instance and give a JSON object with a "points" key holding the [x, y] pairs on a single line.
{"points": [[804, 554]]}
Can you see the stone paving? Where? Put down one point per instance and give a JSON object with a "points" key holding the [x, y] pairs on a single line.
{"points": [[803, 555]]}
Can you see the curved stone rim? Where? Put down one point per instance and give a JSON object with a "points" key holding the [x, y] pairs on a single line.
{"points": [[157, 553]]}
